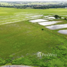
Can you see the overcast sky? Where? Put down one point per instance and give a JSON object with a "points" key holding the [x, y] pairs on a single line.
{"points": [[33, 0]]}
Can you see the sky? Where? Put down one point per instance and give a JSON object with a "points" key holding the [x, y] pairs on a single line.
{"points": [[33, 0]]}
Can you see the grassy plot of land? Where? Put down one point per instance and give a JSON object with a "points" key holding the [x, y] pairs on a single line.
{"points": [[23, 37], [9, 15]]}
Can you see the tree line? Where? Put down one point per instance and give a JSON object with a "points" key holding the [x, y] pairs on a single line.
{"points": [[36, 6]]}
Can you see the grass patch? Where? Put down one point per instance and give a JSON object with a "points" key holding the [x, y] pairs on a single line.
{"points": [[22, 38]]}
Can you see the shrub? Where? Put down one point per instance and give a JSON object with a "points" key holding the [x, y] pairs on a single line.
{"points": [[65, 18], [22, 60], [56, 16], [56, 63], [10, 58], [2, 62]]}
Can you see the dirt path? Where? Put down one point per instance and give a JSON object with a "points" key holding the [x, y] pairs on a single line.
{"points": [[16, 66]]}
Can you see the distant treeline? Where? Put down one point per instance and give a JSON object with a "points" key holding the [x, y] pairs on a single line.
{"points": [[36, 6]]}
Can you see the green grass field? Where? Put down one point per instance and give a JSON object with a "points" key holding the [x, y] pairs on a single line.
{"points": [[20, 37]]}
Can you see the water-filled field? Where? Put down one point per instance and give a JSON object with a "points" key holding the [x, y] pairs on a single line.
{"points": [[20, 37]]}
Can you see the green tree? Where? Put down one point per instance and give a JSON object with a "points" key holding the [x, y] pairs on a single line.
{"points": [[56, 16]]}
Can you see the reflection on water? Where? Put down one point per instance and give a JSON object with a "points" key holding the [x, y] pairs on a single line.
{"points": [[63, 31]]}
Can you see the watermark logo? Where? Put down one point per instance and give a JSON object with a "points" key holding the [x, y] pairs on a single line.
{"points": [[40, 54]]}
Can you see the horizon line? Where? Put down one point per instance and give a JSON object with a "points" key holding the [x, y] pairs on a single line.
{"points": [[31, 1]]}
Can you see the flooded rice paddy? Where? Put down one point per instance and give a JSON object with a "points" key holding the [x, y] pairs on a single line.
{"points": [[37, 20], [54, 27], [48, 23], [62, 31], [45, 23]]}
